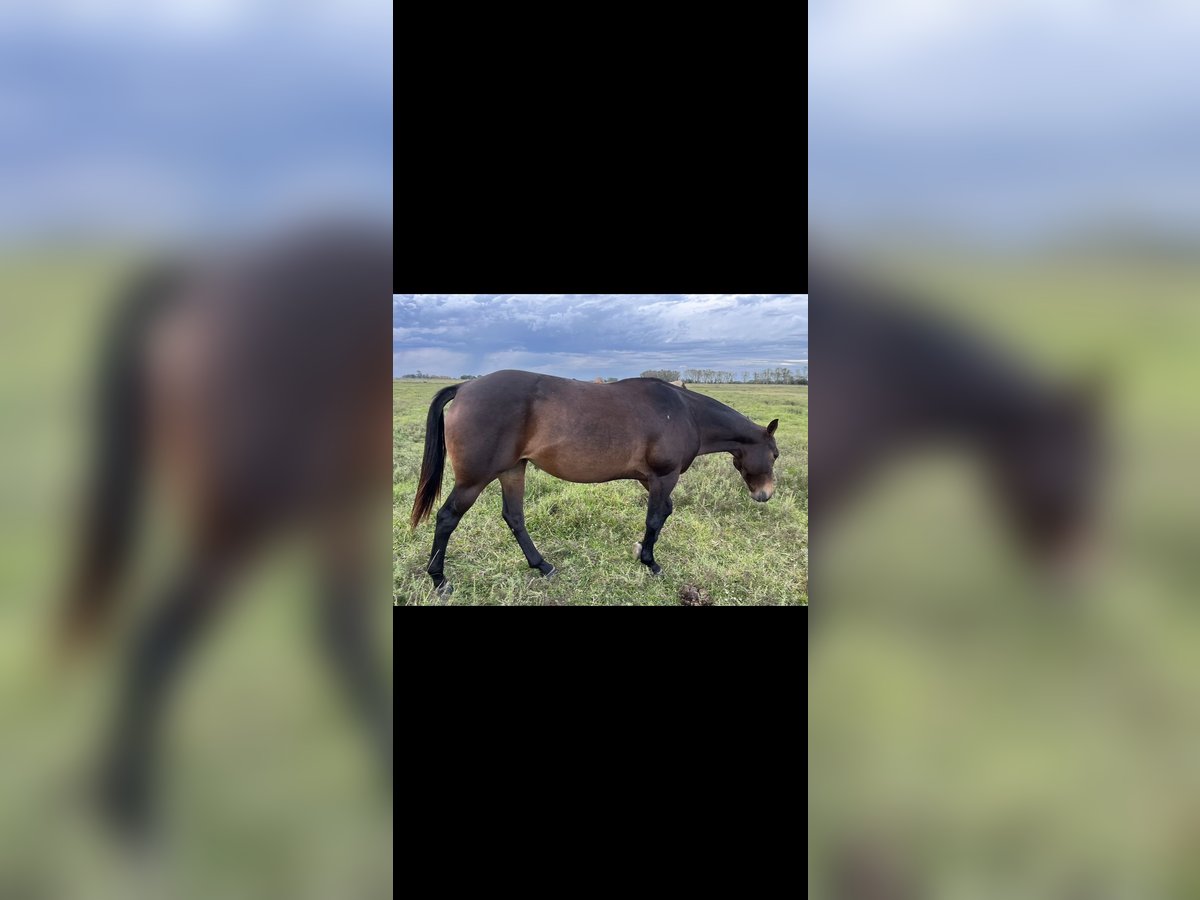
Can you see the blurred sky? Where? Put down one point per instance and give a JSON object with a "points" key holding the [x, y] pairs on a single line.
{"points": [[195, 116], [1003, 118], [590, 335]]}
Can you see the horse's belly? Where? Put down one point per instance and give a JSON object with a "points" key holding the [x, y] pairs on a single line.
{"points": [[576, 442], [584, 469]]}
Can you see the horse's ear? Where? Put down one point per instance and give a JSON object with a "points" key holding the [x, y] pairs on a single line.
{"points": [[771, 428]]}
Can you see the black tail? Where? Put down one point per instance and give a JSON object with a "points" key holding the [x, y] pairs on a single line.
{"points": [[434, 461], [111, 506]]}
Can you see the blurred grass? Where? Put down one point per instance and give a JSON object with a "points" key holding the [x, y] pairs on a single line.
{"points": [[996, 738], [717, 538], [269, 787]]}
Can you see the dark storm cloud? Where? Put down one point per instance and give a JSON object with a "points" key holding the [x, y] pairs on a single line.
{"points": [[584, 335]]}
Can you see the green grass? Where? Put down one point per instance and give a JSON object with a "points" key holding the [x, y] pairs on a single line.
{"points": [[717, 539]]}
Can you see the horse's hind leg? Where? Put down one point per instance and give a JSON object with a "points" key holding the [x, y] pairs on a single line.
{"points": [[461, 499], [513, 484], [345, 632], [163, 643]]}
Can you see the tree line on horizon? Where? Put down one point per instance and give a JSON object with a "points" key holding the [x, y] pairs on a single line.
{"points": [[427, 377], [778, 375]]}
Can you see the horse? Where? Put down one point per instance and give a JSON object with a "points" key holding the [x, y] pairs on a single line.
{"points": [[640, 429], [896, 378], [241, 379], [679, 384]]}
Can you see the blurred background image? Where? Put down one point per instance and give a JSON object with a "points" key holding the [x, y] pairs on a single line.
{"points": [[1018, 178], [237, 158]]}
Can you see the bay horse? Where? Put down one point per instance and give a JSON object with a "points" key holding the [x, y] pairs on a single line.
{"points": [[896, 378], [241, 379], [641, 429]]}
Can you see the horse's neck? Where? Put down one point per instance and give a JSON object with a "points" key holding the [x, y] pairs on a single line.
{"points": [[721, 428], [987, 404]]}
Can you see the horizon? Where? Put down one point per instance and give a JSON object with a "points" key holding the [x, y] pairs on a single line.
{"points": [[426, 376]]}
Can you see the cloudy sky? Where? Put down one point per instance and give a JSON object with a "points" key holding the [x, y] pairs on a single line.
{"points": [[589, 335], [118, 116], [997, 115]]}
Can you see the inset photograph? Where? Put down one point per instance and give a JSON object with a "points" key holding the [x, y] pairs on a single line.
{"points": [[600, 449]]}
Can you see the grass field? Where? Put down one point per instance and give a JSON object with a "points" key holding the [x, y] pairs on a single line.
{"points": [[717, 539]]}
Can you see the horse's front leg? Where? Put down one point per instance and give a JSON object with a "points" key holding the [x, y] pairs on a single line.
{"points": [[656, 515]]}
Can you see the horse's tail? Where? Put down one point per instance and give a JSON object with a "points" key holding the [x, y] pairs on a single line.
{"points": [[111, 504], [434, 461]]}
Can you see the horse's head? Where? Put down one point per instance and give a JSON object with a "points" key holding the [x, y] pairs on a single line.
{"points": [[755, 461], [1048, 471]]}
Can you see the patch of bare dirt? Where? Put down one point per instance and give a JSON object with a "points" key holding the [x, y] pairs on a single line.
{"points": [[690, 595]]}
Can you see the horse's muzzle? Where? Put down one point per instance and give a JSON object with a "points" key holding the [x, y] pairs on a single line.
{"points": [[762, 496]]}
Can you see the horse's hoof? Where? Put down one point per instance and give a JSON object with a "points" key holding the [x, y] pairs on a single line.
{"points": [[637, 548], [656, 571], [553, 571], [445, 589]]}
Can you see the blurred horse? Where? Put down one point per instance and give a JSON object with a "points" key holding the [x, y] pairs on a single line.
{"points": [[247, 381], [894, 378]]}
